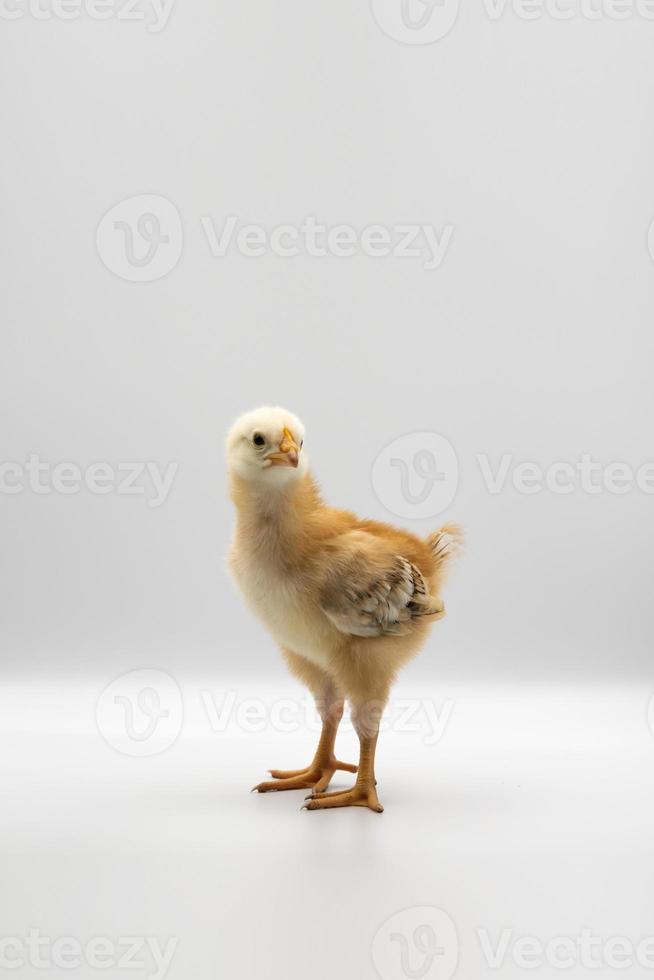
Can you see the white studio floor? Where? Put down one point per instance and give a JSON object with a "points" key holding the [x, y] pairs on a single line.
{"points": [[529, 824]]}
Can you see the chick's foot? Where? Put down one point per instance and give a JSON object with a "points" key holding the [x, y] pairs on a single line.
{"points": [[317, 776], [361, 794]]}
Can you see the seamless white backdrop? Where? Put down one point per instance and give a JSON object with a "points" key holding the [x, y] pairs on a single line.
{"points": [[507, 387]]}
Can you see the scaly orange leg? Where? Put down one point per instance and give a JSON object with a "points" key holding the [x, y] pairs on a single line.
{"points": [[319, 774]]}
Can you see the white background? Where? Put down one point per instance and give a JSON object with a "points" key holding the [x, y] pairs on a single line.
{"points": [[532, 140]]}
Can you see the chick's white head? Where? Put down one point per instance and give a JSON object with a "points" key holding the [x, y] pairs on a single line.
{"points": [[264, 446]]}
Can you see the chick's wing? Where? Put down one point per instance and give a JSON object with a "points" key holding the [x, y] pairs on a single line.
{"points": [[367, 589]]}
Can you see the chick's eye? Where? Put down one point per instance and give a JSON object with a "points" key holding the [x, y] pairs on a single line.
{"points": [[258, 439], [301, 443]]}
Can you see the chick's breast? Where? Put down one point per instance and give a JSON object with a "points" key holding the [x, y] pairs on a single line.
{"points": [[285, 605]]}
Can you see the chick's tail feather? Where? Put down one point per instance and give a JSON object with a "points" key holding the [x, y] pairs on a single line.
{"points": [[446, 544]]}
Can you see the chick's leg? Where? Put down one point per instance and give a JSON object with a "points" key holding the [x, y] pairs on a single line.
{"points": [[330, 706], [364, 792]]}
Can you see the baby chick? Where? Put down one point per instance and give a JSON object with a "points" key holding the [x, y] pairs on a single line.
{"points": [[349, 601]]}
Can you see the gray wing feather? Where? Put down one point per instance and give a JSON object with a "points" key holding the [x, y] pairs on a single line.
{"points": [[364, 600]]}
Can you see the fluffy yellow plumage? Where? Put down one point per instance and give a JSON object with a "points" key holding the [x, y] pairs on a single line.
{"points": [[348, 600]]}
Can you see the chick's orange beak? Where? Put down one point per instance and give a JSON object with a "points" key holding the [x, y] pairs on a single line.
{"points": [[289, 451]]}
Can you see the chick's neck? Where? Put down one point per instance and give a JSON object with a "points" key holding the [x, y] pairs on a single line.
{"points": [[275, 514]]}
